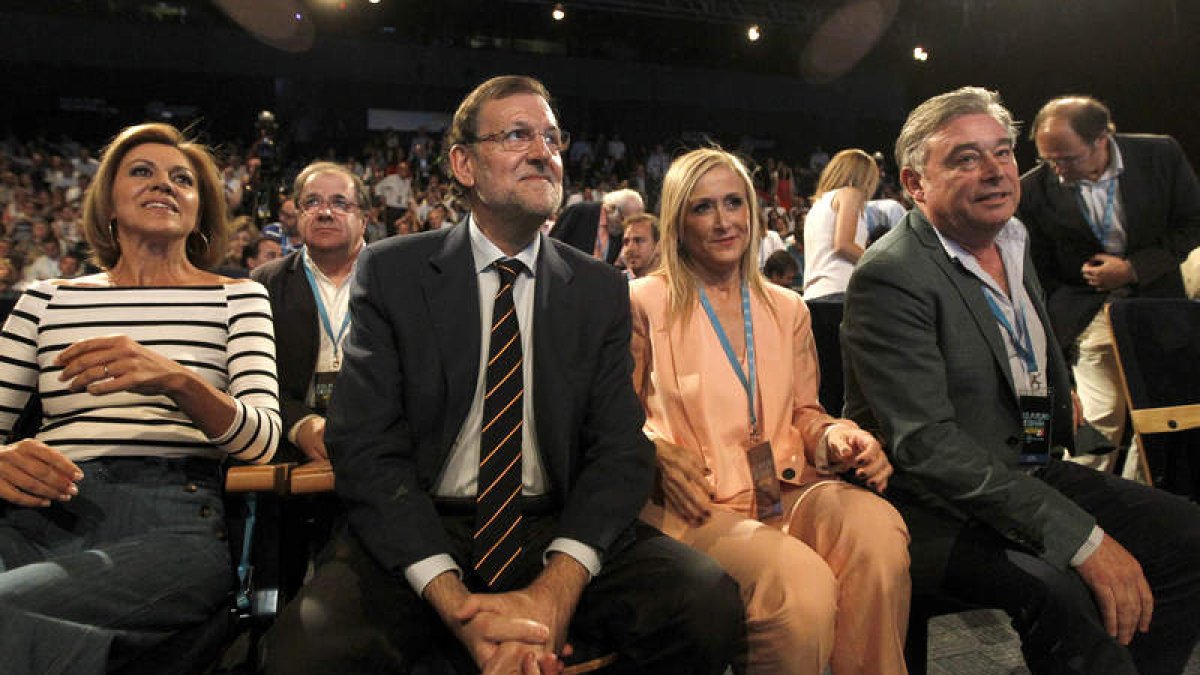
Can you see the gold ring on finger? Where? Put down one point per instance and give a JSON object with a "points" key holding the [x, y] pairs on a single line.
{"points": [[105, 367]]}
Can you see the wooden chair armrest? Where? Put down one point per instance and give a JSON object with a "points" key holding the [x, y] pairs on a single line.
{"points": [[312, 478], [258, 478]]}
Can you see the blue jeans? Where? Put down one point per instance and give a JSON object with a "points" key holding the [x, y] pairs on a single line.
{"points": [[137, 555]]}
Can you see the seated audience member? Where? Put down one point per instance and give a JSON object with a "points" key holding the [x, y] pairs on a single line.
{"points": [[748, 460], [781, 269], [951, 358], [639, 245], [835, 230], [112, 532], [260, 251], [70, 265], [310, 297], [484, 522], [595, 227], [46, 265]]}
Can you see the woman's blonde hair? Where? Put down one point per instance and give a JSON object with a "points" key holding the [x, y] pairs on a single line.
{"points": [[205, 245], [678, 185], [849, 168]]}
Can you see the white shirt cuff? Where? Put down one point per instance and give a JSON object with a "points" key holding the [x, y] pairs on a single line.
{"points": [[583, 554], [291, 434], [1088, 547], [420, 573]]}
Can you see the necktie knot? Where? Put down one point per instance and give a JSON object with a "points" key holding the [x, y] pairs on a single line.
{"points": [[509, 269]]}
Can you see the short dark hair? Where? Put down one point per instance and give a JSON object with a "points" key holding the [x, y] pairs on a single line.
{"points": [[464, 127], [1087, 117], [780, 263]]}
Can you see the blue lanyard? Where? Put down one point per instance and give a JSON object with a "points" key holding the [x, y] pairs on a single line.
{"points": [[1021, 338], [1105, 225], [336, 340], [749, 382]]}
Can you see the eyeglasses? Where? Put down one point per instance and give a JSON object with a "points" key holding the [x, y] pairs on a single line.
{"points": [[519, 139], [336, 203]]}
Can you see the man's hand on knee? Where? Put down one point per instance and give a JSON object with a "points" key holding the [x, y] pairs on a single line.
{"points": [[1120, 588]]}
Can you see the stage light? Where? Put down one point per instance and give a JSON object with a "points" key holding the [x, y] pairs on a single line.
{"points": [[753, 33], [374, 2], [298, 16], [919, 54], [559, 13]]}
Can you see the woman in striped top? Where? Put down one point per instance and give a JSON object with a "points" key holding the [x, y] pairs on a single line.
{"points": [[149, 374]]}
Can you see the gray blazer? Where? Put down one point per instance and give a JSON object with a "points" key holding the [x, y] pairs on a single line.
{"points": [[927, 368]]}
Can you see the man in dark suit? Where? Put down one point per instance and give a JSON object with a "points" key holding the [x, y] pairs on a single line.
{"points": [[596, 228], [310, 297], [413, 430], [1109, 215], [950, 357]]}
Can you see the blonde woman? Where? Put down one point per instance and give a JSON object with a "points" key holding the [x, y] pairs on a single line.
{"points": [[835, 230], [725, 368]]}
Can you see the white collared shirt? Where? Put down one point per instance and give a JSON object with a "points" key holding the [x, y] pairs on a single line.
{"points": [[1093, 196], [1011, 242]]}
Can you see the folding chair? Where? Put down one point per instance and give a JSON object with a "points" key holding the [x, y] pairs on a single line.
{"points": [[1158, 349]]}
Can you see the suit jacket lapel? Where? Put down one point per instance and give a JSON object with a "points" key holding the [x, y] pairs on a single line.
{"points": [[968, 287], [555, 320], [302, 325], [452, 301], [1135, 190]]}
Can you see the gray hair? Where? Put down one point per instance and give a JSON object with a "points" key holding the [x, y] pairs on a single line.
{"points": [[929, 118]]}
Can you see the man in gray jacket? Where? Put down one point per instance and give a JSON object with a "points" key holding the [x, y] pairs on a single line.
{"points": [[951, 358]]}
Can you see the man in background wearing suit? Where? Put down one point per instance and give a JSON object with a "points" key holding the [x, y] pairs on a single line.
{"points": [[1109, 215], [310, 297], [471, 345], [596, 228], [950, 356]]}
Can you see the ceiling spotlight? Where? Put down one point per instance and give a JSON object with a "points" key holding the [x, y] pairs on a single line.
{"points": [[919, 54], [373, 2], [559, 13], [753, 33]]}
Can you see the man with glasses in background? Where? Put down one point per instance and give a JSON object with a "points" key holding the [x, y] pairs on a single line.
{"points": [[488, 447], [310, 297], [1109, 215]]}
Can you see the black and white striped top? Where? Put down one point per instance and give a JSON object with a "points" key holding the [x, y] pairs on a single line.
{"points": [[223, 333]]}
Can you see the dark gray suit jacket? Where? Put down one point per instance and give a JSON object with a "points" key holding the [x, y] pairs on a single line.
{"points": [[296, 340], [577, 225], [927, 368], [1161, 197], [411, 365]]}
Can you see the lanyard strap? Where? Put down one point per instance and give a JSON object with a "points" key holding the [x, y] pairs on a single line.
{"points": [[1021, 338], [335, 339], [749, 381], [1103, 227]]}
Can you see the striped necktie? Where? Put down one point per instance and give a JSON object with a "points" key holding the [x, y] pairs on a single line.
{"points": [[497, 542]]}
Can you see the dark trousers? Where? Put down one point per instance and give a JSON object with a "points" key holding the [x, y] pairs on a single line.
{"points": [[661, 606], [1054, 611]]}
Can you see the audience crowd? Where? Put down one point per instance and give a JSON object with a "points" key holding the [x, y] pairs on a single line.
{"points": [[42, 183]]}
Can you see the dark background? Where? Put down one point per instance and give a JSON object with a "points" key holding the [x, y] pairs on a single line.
{"points": [[652, 71]]}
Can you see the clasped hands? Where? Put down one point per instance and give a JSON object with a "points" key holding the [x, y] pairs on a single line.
{"points": [[1105, 272], [852, 449], [522, 631], [34, 474]]}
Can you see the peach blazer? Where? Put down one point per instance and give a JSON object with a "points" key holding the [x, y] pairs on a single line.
{"points": [[693, 399]]}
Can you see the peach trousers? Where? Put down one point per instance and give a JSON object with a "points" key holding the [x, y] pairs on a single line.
{"points": [[827, 585]]}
